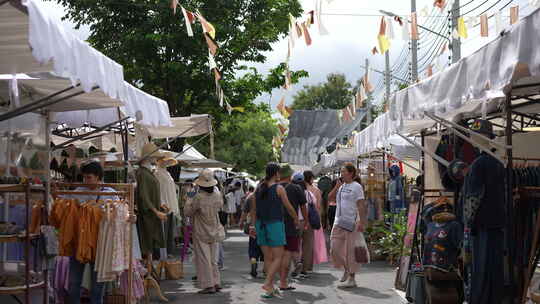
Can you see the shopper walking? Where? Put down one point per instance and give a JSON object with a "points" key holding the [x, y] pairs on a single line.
{"points": [[351, 219], [332, 208], [203, 208], [297, 198], [319, 254], [268, 214], [248, 225]]}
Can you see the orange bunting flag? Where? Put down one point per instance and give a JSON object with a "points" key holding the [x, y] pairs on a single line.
{"points": [[189, 20], [174, 4], [307, 37], [429, 70], [374, 50], [289, 111], [287, 79], [207, 26], [484, 26], [367, 84], [444, 48], [346, 114], [440, 4], [282, 129], [382, 27], [514, 14], [386, 107], [281, 106], [212, 46], [414, 26]]}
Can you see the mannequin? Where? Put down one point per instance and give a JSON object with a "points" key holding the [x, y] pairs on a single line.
{"points": [[395, 190], [484, 218], [169, 198], [147, 197]]}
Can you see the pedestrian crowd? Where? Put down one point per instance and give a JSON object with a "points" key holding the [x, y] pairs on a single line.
{"points": [[282, 218]]}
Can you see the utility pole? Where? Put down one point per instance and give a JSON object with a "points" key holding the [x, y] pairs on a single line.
{"points": [[414, 51], [456, 43]]}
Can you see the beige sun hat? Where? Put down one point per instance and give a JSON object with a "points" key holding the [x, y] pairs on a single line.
{"points": [[167, 159], [150, 148], [206, 179]]}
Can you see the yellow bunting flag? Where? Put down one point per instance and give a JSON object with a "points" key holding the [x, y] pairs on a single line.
{"points": [[514, 14], [289, 111], [239, 109], [384, 43], [484, 26], [461, 28], [207, 26]]}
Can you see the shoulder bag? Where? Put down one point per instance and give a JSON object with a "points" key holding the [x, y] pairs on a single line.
{"points": [[313, 214]]}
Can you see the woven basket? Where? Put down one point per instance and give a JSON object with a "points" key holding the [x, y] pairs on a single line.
{"points": [[174, 270]]}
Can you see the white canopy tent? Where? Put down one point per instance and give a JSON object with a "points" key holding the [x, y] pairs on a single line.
{"points": [[47, 61]]}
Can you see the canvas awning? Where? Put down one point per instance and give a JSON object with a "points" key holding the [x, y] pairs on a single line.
{"points": [[189, 126], [47, 59]]}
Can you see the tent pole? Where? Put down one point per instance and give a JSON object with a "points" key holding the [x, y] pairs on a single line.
{"points": [[82, 136], [509, 190], [191, 146], [21, 109], [424, 150]]}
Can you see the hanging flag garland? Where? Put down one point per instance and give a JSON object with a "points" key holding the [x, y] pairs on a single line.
{"points": [[514, 14], [462, 28], [189, 18], [484, 26]]}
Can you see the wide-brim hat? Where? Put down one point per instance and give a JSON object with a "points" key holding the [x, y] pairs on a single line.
{"points": [[167, 159], [206, 179], [150, 150]]}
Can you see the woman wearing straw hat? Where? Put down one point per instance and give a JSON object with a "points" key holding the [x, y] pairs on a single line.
{"points": [[203, 208]]}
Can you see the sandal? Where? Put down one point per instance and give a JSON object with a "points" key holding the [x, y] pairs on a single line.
{"points": [[218, 288], [209, 290], [287, 288], [267, 295]]}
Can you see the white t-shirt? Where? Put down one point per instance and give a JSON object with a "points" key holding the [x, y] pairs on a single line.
{"points": [[347, 196]]}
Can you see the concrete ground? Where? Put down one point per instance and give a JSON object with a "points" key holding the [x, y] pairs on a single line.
{"points": [[375, 283]]}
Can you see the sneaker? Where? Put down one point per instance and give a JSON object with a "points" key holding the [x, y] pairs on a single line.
{"points": [[344, 277], [351, 283], [294, 274]]}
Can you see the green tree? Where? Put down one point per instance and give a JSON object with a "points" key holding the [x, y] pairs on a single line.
{"points": [[246, 140], [335, 93]]}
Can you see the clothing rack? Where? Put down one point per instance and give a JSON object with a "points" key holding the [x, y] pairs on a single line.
{"points": [[128, 192]]}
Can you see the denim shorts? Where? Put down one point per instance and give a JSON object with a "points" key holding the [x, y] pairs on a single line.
{"points": [[271, 234]]}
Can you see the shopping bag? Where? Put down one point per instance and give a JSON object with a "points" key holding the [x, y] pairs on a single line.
{"points": [[361, 252]]}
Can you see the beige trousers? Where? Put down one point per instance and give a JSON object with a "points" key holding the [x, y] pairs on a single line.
{"points": [[205, 263]]}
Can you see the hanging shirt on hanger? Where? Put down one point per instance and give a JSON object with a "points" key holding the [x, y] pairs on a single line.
{"points": [[168, 191]]}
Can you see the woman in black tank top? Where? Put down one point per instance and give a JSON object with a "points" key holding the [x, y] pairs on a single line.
{"points": [[270, 199]]}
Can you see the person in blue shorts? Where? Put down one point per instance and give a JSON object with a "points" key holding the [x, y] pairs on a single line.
{"points": [[270, 199]]}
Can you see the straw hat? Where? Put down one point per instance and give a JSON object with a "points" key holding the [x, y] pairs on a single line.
{"points": [[167, 160], [206, 179], [150, 148]]}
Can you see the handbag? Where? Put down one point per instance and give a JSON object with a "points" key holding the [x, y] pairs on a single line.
{"points": [[342, 222], [313, 214], [174, 270], [361, 253]]}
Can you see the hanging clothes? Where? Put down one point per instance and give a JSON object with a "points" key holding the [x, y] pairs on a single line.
{"points": [[168, 190]]}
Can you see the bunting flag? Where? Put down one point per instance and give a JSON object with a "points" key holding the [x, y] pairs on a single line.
{"points": [[282, 129], [281, 107], [440, 4], [498, 22], [346, 114], [213, 67], [311, 18], [405, 34], [384, 43], [217, 75], [368, 86], [207, 26], [212, 46], [289, 111], [322, 29], [174, 4], [484, 26], [292, 28], [189, 19], [239, 109], [229, 108], [414, 26], [424, 12], [461, 28], [429, 70], [389, 29], [514, 14], [288, 80], [386, 107], [374, 50], [399, 20], [444, 48], [455, 34], [382, 27], [298, 29], [307, 37], [221, 97], [360, 95]]}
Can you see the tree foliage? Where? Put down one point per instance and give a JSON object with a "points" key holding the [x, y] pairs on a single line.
{"points": [[152, 45], [335, 93]]}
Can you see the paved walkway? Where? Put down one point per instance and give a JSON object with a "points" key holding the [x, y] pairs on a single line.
{"points": [[375, 283]]}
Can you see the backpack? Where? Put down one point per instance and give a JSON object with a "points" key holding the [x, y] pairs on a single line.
{"points": [[313, 214]]}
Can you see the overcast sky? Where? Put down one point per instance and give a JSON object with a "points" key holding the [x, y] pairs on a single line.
{"points": [[353, 36]]}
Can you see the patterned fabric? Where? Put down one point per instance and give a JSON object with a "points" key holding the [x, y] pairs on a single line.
{"points": [[442, 243]]}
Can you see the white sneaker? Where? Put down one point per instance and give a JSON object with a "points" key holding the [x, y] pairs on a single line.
{"points": [[344, 277], [351, 283]]}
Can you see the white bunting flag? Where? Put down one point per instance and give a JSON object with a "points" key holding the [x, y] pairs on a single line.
{"points": [[406, 36], [322, 29], [498, 22], [390, 28], [189, 19]]}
